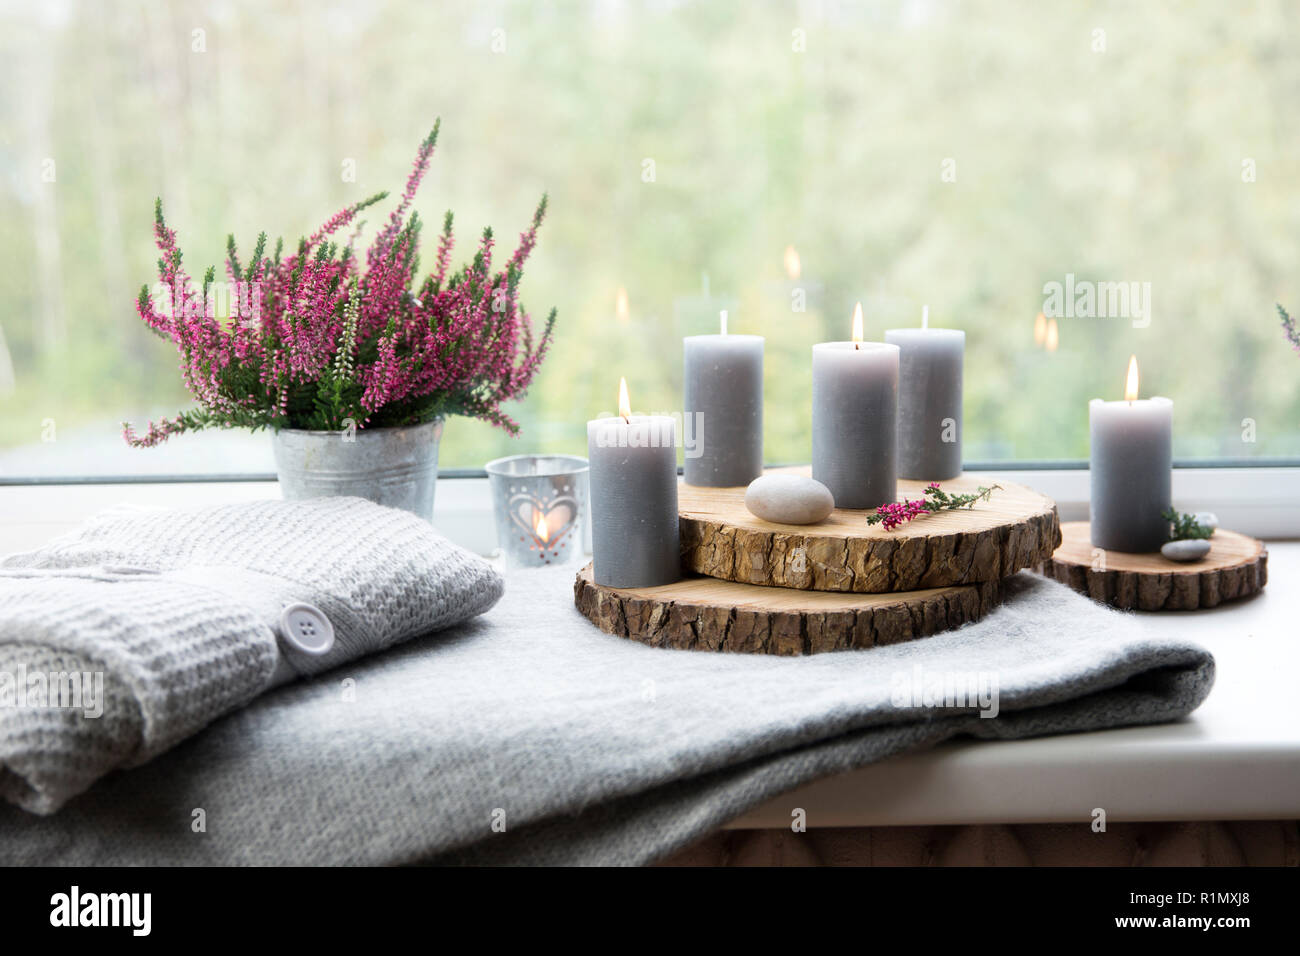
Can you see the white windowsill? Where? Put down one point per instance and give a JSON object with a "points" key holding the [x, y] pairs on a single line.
{"points": [[1237, 757], [32, 514]]}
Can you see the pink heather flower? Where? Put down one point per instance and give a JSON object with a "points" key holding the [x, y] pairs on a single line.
{"points": [[384, 240], [896, 513], [445, 243], [159, 431]]}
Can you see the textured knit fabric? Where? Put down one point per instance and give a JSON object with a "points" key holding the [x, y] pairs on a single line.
{"points": [[179, 611], [528, 736]]}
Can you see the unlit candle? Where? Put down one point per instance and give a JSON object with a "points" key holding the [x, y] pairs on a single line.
{"points": [[724, 408], [929, 401]]}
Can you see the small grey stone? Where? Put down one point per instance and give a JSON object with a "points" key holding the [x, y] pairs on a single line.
{"points": [[1189, 549], [1207, 519], [789, 499]]}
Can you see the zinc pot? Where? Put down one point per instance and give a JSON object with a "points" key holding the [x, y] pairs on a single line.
{"points": [[397, 467]]}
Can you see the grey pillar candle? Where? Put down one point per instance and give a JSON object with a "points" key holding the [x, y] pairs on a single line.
{"points": [[1131, 470], [634, 524], [724, 408], [855, 421], [929, 401]]}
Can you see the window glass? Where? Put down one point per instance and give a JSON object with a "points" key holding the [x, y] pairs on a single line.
{"points": [[780, 161]]}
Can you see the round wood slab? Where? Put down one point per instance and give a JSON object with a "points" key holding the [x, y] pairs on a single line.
{"points": [[1016, 528], [1235, 567], [710, 615]]}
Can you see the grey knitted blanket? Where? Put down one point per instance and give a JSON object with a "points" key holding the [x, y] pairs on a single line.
{"points": [[528, 736], [134, 632]]}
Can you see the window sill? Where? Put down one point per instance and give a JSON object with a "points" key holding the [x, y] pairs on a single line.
{"points": [[32, 514], [1238, 757], [1259, 501]]}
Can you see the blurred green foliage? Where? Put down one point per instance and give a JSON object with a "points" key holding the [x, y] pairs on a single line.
{"points": [[1122, 156]]}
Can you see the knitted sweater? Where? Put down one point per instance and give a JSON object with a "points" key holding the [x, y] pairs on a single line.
{"points": [[153, 624]]}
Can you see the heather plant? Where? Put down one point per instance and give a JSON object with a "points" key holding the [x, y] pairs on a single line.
{"points": [[1289, 328], [314, 341]]}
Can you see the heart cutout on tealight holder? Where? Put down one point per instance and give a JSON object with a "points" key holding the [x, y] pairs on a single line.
{"points": [[547, 524]]}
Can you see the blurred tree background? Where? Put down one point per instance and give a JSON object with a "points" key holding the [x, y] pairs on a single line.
{"points": [[909, 152]]}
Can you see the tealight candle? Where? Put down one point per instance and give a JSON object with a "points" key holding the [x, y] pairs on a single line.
{"points": [[929, 400], [724, 407], [1131, 469], [855, 419], [633, 475]]}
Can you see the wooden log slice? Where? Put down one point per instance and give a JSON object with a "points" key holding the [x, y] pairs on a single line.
{"points": [[1236, 566], [710, 615], [1017, 528]]}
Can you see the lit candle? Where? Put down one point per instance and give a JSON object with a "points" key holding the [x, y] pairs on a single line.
{"points": [[635, 539], [541, 532], [855, 419], [724, 408], [1131, 472], [798, 291], [929, 400], [793, 266]]}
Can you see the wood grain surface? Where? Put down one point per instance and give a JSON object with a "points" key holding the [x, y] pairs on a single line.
{"points": [[1017, 528], [712, 615], [1236, 566]]}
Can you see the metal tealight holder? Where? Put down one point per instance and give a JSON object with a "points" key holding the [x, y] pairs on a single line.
{"points": [[540, 504]]}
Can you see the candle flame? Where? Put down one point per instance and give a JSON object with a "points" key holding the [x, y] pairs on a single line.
{"points": [[857, 325], [1131, 383], [793, 268], [724, 321], [624, 405], [621, 310], [1053, 337], [543, 532], [1040, 329]]}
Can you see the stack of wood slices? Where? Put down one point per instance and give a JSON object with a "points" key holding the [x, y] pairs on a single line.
{"points": [[754, 586]]}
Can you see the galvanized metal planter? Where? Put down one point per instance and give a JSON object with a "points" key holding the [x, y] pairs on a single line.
{"points": [[397, 467]]}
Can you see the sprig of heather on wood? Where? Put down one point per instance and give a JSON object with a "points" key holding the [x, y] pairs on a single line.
{"points": [[895, 513], [318, 340]]}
